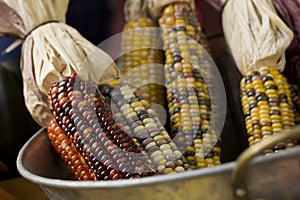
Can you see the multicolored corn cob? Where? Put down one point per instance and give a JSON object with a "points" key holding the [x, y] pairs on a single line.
{"points": [[142, 59], [68, 152], [267, 105], [136, 118], [85, 117], [188, 97]]}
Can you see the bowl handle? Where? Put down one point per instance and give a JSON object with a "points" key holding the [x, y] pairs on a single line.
{"points": [[239, 172]]}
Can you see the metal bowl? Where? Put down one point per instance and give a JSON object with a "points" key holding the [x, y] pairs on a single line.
{"points": [[268, 177]]}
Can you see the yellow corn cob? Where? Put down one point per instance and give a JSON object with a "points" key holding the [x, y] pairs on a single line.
{"points": [[188, 98], [87, 120], [142, 59], [267, 105], [136, 118]]}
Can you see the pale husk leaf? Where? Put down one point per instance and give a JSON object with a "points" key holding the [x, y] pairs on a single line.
{"points": [[135, 9], [255, 34], [10, 22], [53, 51]]}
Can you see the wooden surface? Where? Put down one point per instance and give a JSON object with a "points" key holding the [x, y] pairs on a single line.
{"points": [[19, 188]]}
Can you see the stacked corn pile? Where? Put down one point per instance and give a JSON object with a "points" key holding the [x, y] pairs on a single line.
{"points": [[188, 97], [142, 59], [111, 132]]}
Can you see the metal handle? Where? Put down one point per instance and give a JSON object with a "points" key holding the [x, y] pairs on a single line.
{"points": [[239, 172]]}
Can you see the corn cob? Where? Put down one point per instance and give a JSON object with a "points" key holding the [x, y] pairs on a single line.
{"points": [[65, 148], [188, 98], [139, 120], [86, 118], [267, 105], [295, 95], [141, 59]]}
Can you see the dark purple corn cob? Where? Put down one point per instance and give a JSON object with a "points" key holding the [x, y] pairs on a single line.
{"points": [[86, 118]]}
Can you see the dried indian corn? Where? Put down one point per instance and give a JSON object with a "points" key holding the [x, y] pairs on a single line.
{"points": [[135, 116], [267, 105], [87, 120], [105, 147], [188, 97], [142, 59], [68, 152]]}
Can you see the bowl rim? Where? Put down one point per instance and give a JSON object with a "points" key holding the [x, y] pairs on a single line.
{"points": [[110, 183], [125, 183]]}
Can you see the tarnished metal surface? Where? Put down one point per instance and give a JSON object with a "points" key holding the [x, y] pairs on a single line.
{"points": [[269, 177]]}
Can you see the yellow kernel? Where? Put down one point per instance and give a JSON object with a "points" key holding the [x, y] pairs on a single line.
{"points": [[180, 22], [168, 171], [265, 107], [169, 10], [260, 103], [277, 130], [286, 122], [248, 86], [275, 117], [256, 132], [248, 126], [264, 116], [201, 163], [264, 112], [258, 90], [271, 91], [162, 162], [257, 82], [179, 169], [268, 83], [266, 128], [190, 28], [250, 139], [113, 83]]}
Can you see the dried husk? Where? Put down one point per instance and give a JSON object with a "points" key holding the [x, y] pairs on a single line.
{"points": [[255, 34], [10, 22], [135, 9], [51, 51]]}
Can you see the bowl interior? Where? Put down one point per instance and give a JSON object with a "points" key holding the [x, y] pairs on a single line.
{"points": [[40, 158]]}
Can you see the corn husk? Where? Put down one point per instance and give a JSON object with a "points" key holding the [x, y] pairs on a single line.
{"points": [[51, 51], [255, 34], [135, 9]]}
